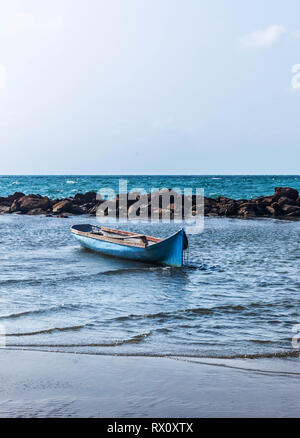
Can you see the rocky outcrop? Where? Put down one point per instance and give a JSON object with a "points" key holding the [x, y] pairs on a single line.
{"points": [[286, 192], [87, 198], [25, 204], [63, 206], [284, 203], [4, 209]]}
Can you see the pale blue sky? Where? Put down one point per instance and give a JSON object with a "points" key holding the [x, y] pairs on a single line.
{"points": [[149, 86]]}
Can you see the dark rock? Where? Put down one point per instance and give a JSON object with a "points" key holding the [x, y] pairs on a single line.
{"points": [[284, 200], [259, 208], [246, 209], [79, 198], [209, 202], [214, 211], [36, 211], [244, 212], [62, 206], [55, 201], [33, 195], [85, 198], [249, 205], [222, 200], [231, 208], [77, 209], [286, 191], [89, 205], [16, 195], [270, 210], [15, 206], [277, 208], [284, 203], [30, 202], [92, 209], [287, 209], [11, 198], [263, 201], [294, 214], [4, 209]]}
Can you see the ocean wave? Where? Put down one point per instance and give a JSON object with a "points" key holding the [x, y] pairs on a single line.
{"points": [[169, 355], [81, 277], [183, 313], [276, 354], [29, 281], [47, 331], [167, 315], [116, 343], [43, 311]]}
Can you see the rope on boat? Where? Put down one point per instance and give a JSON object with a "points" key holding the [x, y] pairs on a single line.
{"points": [[97, 230]]}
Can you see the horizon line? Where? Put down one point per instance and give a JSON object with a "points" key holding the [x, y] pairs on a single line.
{"points": [[145, 174]]}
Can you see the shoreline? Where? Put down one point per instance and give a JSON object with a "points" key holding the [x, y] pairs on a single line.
{"points": [[43, 384], [283, 204]]}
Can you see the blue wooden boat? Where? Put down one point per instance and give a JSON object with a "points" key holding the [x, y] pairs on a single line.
{"points": [[128, 245]]}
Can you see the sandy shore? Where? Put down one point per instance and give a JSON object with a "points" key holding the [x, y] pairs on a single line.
{"points": [[42, 384]]}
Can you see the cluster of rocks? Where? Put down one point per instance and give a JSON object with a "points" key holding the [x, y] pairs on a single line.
{"points": [[32, 204], [284, 203]]}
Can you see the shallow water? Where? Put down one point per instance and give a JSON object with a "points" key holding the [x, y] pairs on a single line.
{"points": [[239, 294]]}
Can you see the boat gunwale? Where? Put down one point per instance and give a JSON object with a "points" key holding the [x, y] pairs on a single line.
{"points": [[128, 244], [113, 240]]}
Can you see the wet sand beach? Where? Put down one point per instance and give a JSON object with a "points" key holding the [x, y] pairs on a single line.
{"points": [[44, 384]]}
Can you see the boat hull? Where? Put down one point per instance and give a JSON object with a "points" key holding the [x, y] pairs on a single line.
{"points": [[167, 252]]}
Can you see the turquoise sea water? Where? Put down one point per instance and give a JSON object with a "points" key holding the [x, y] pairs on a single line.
{"points": [[237, 187], [237, 296]]}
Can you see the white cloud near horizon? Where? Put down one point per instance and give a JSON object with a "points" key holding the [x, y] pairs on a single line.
{"points": [[3, 77], [21, 23], [262, 39]]}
